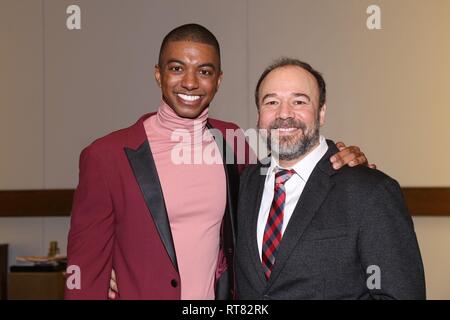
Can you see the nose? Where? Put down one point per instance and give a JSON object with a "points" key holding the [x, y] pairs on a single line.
{"points": [[190, 81], [285, 110]]}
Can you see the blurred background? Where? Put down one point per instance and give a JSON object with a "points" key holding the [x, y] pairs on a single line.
{"points": [[61, 88]]}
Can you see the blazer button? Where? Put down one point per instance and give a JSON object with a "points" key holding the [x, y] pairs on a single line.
{"points": [[174, 283]]}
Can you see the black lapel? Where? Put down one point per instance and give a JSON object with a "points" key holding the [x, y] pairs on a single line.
{"points": [[225, 284], [144, 169], [257, 184], [231, 174], [316, 190]]}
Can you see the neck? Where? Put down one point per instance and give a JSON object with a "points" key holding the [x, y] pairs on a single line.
{"points": [[169, 121]]}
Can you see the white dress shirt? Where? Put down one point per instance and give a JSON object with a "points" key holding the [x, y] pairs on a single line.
{"points": [[294, 188]]}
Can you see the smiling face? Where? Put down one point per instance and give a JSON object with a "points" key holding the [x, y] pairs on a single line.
{"points": [[289, 110], [189, 76]]}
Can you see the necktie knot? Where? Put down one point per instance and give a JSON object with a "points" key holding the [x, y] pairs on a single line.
{"points": [[282, 176]]}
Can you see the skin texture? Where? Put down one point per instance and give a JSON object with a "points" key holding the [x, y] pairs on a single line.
{"points": [[289, 107], [289, 97], [192, 69]]}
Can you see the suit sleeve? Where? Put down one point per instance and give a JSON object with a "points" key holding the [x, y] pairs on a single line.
{"points": [[387, 241], [91, 234]]}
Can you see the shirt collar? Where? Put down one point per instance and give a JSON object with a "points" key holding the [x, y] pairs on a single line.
{"points": [[304, 167]]}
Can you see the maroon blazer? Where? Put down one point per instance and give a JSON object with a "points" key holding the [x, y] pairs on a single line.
{"points": [[119, 221]]}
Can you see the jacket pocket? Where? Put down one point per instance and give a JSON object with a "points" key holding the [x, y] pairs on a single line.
{"points": [[326, 234]]}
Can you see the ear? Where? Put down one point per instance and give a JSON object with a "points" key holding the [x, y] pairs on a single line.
{"points": [[322, 113], [219, 80], [257, 117], [158, 75]]}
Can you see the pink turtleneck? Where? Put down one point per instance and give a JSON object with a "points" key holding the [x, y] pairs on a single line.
{"points": [[195, 196]]}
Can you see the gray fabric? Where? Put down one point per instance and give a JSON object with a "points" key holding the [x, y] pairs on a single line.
{"points": [[344, 222]]}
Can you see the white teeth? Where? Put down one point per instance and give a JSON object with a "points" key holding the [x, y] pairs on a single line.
{"points": [[287, 129], [188, 98]]}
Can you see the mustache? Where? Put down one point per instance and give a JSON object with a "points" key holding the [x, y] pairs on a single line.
{"points": [[287, 123]]}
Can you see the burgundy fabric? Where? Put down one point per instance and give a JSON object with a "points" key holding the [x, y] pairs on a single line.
{"points": [[111, 226]]}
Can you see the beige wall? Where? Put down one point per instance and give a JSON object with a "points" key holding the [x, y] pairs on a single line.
{"points": [[21, 95], [61, 89]]}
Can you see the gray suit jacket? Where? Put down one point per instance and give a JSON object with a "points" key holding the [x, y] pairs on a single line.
{"points": [[345, 221]]}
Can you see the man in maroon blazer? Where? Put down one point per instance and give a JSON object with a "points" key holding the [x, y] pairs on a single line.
{"points": [[122, 216]]}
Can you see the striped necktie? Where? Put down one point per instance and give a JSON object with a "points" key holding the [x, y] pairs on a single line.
{"points": [[272, 231]]}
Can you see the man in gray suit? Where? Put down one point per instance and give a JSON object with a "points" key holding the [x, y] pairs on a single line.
{"points": [[307, 231]]}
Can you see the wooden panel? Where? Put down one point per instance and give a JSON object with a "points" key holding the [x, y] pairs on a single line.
{"points": [[428, 201], [36, 203], [36, 286]]}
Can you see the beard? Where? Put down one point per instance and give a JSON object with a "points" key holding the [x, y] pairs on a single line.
{"points": [[294, 146]]}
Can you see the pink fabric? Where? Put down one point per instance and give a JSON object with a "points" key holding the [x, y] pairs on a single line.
{"points": [[195, 197]]}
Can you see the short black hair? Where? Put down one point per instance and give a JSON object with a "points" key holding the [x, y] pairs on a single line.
{"points": [[284, 62], [190, 32]]}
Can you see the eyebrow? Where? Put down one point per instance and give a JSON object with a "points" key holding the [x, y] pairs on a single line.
{"points": [[175, 61], [296, 94], [302, 95], [208, 64], [269, 95]]}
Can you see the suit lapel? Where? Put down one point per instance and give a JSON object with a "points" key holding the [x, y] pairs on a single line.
{"points": [[231, 175], [144, 169], [225, 283], [315, 192], [312, 197], [257, 184], [138, 152]]}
